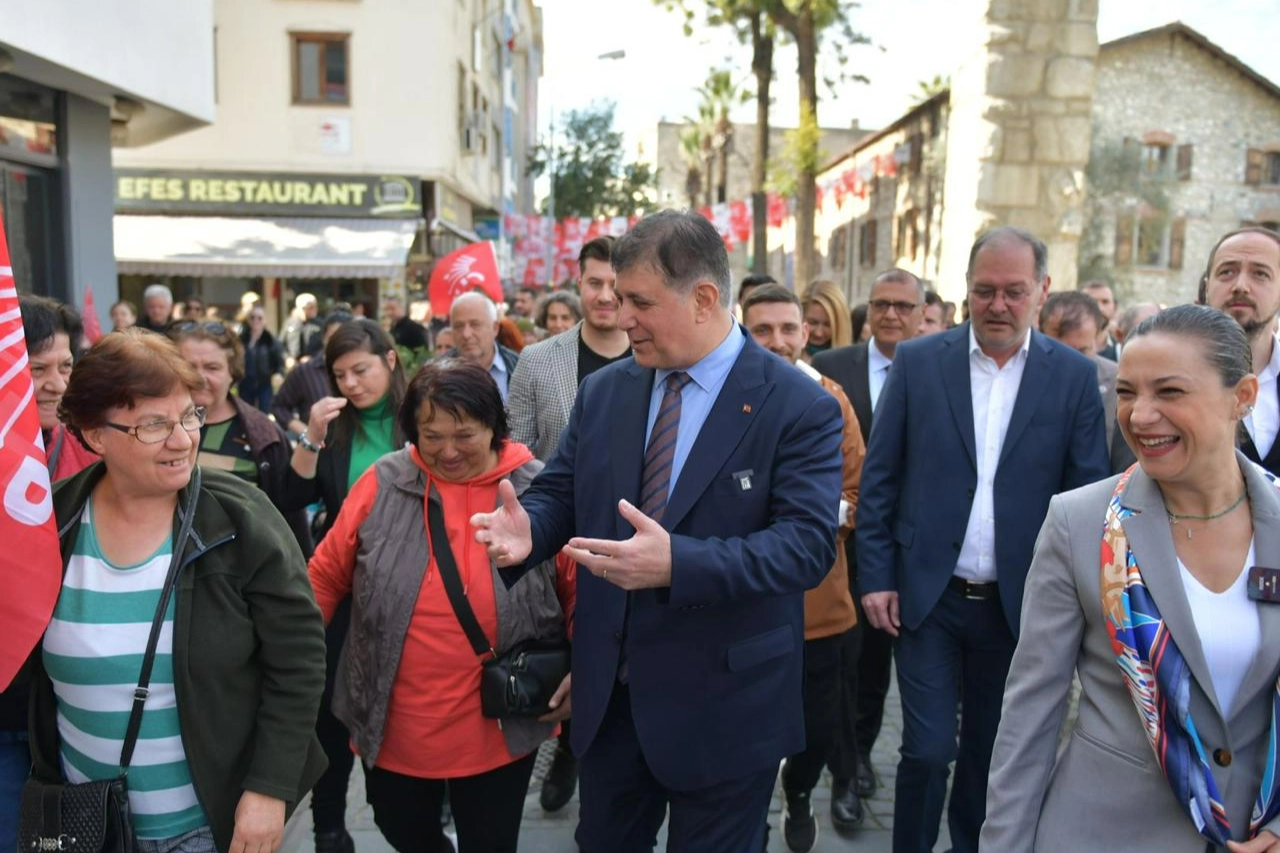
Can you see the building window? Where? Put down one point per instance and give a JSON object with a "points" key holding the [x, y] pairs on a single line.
{"points": [[321, 73], [867, 243], [1155, 159], [1262, 167], [1147, 238]]}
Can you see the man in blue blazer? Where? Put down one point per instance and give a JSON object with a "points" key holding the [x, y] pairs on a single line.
{"points": [[697, 485], [976, 429]]}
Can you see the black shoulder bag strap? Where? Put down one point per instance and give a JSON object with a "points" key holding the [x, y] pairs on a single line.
{"points": [[453, 581], [52, 461], [144, 678]]}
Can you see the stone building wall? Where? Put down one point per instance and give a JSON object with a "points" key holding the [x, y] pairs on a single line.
{"points": [[1170, 87], [1020, 130]]}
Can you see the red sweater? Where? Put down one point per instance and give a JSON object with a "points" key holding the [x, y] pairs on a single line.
{"points": [[434, 728]]}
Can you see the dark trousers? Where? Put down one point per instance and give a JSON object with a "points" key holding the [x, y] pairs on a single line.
{"points": [[622, 805], [823, 683], [959, 654], [329, 796], [487, 808], [842, 758], [873, 671]]}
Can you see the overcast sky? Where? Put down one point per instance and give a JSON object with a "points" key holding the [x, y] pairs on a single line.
{"points": [[914, 40]]}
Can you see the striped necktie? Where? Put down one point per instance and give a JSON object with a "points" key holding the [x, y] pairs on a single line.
{"points": [[655, 480]]}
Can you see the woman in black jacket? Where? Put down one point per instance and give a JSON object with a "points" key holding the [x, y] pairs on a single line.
{"points": [[346, 433], [263, 360], [237, 437]]}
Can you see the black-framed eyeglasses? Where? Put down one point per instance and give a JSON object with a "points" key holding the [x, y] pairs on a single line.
{"points": [[158, 431], [883, 305], [213, 327]]}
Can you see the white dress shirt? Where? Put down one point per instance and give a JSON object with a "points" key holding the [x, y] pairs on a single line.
{"points": [[994, 390], [1264, 421], [878, 365]]}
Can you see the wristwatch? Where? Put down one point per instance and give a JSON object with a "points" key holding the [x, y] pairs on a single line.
{"points": [[307, 444]]}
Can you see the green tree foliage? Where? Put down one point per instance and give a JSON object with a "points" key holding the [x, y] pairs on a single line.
{"points": [[926, 89], [589, 172]]}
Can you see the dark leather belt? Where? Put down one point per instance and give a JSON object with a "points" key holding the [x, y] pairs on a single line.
{"points": [[969, 589]]}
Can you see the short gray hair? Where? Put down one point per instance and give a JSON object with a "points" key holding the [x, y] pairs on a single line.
{"points": [[1012, 234], [475, 296], [901, 276], [1129, 317], [158, 290], [303, 300], [681, 246]]}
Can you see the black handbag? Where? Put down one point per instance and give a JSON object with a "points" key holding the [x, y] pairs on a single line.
{"points": [[517, 683], [94, 817]]}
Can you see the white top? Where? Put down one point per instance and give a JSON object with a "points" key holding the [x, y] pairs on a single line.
{"points": [[1229, 630], [994, 391], [1264, 422], [878, 365]]}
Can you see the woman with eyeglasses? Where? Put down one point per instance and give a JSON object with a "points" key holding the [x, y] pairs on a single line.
{"points": [[263, 361], [225, 747], [236, 437], [346, 433]]}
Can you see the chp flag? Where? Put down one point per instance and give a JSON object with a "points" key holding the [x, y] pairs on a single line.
{"points": [[30, 560], [473, 267]]}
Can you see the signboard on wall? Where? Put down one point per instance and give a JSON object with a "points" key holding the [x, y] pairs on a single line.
{"points": [[266, 194]]}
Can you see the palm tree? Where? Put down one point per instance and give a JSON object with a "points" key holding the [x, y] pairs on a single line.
{"points": [[720, 94]]}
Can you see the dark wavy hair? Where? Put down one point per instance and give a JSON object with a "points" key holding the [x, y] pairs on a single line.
{"points": [[362, 335]]}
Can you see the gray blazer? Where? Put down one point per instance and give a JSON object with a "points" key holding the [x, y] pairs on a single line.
{"points": [[1105, 790], [543, 388]]}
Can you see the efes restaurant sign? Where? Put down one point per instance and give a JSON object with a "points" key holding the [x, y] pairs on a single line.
{"points": [[265, 194]]}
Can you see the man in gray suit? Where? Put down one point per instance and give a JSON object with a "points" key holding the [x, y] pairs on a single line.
{"points": [[1075, 319], [543, 389]]}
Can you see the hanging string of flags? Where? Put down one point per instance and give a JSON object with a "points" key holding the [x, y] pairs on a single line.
{"points": [[537, 240]]}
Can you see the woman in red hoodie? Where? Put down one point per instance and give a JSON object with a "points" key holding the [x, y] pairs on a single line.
{"points": [[408, 686]]}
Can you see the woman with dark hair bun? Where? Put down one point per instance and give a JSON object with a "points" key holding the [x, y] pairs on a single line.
{"points": [[346, 433], [1157, 588], [409, 687], [225, 748]]}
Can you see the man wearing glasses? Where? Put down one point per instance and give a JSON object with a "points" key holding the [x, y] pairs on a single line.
{"points": [[894, 314], [976, 429]]}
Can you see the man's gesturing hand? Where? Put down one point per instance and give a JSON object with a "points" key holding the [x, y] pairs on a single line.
{"points": [[882, 609], [505, 532], [641, 562]]}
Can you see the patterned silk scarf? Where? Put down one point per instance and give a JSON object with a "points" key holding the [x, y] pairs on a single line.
{"points": [[1159, 682]]}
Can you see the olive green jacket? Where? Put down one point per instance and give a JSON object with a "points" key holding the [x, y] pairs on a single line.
{"points": [[248, 651]]}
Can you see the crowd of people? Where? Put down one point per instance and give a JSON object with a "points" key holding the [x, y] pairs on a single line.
{"points": [[738, 514]]}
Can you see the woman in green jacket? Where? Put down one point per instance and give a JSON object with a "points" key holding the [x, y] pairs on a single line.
{"points": [[226, 746]]}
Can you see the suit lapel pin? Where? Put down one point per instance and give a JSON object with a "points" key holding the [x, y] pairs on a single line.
{"points": [[746, 408]]}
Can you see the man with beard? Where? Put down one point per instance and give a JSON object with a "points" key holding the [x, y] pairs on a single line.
{"points": [[543, 389], [1243, 280]]}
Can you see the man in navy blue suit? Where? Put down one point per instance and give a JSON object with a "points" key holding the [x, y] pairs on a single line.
{"points": [[697, 486], [976, 429]]}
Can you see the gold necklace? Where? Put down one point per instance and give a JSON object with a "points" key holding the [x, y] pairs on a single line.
{"points": [[1174, 517]]}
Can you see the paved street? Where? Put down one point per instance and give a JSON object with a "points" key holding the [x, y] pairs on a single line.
{"points": [[542, 833]]}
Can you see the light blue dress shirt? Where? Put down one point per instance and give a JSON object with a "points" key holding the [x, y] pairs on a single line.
{"points": [[698, 396], [498, 370]]}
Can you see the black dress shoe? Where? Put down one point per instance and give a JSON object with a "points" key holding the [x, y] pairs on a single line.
{"points": [[865, 778], [846, 808], [337, 841], [562, 779]]}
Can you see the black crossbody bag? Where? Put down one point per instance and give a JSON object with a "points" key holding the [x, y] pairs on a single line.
{"points": [[519, 682], [94, 817]]}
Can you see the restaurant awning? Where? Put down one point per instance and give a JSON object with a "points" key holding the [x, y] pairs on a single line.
{"points": [[275, 248]]}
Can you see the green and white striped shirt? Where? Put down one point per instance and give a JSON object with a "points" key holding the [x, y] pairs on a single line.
{"points": [[93, 652]]}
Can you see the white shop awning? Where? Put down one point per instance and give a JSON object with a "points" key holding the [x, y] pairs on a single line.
{"points": [[274, 248]]}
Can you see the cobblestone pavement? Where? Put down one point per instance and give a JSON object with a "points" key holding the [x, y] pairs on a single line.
{"points": [[543, 833]]}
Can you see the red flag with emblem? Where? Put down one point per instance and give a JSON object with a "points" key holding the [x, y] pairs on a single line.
{"points": [[473, 267], [31, 564]]}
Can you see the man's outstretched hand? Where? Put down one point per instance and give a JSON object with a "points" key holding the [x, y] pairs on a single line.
{"points": [[505, 532], [641, 562]]}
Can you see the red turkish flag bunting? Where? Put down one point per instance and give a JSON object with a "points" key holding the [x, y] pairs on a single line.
{"points": [[92, 328], [473, 267], [31, 561]]}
